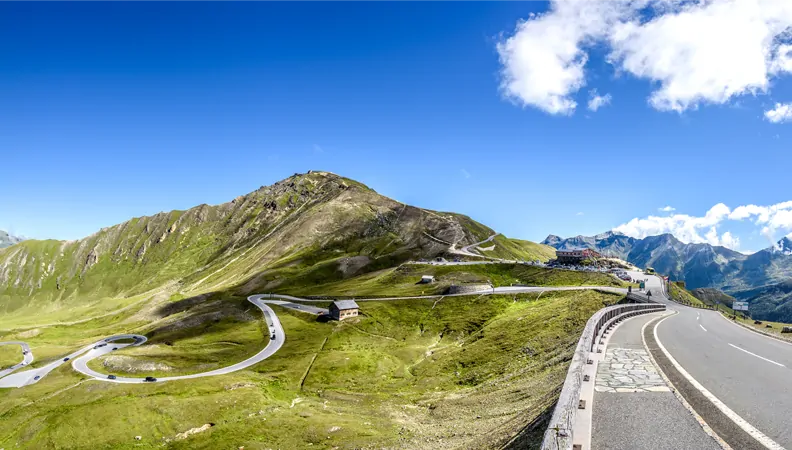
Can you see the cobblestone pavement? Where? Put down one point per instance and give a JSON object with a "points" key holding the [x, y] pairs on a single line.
{"points": [[628, 370]]}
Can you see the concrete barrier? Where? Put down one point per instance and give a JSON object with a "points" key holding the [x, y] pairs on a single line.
{"points": [[467, 289], [559, 433]]}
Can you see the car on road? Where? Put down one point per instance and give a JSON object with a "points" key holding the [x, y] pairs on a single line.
{"points": [[37, 377], [273, 336], [115, 348], [111, 377], [65, 359], [150, 379]]}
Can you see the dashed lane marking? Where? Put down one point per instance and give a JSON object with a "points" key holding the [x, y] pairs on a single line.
{"points": [[760, 357]]}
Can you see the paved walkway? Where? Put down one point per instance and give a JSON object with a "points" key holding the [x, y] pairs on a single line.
{"points": [[628, 370], [633, 406]]}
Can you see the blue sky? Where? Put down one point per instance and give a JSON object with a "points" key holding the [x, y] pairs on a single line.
{"points": [[111, 111]]}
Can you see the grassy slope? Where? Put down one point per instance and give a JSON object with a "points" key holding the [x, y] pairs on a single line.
{"points": [[403, 280], [407, 374], [9, 355], [507, 248], [776, 327], [681, 295], [287, 230], [711, 296]]}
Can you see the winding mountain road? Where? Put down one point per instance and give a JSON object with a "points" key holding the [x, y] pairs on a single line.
{"points": [[11, 378]]}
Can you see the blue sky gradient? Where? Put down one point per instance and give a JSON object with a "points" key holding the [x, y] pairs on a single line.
{"points": [[116, 110]]}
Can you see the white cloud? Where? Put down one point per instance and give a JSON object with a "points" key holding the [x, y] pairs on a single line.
{"points": [[770, 219], [781, 113], [730, 241], [667, 209], [464, 173], [686, 228], [579, 214], [317, 148], [597, 101], [694, 51]]}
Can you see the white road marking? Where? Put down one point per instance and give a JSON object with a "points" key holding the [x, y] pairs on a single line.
{"points": [[702, 327], [760, 357], [739, 421]]}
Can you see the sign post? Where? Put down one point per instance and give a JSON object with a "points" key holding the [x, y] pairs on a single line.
{"points": [[740, 306]]}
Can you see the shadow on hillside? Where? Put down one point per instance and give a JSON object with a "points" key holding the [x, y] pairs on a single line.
{"points": [[184, 304], [531, 435]]}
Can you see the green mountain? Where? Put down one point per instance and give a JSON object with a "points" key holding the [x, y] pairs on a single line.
{"points": [[308, 229], [470, 371], [712, 296]]}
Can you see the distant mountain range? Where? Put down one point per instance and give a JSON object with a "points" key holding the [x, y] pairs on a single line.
{"points": [[7, 240], [748, 277]]}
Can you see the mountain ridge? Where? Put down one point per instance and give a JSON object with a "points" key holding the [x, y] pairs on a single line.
{"points": [[310, 227]]}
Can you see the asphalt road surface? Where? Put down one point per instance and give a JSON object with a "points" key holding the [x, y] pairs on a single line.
{"points": [[643, 420], [748, 372]]}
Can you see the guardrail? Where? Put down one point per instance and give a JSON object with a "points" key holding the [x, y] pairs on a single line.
{"points": [[559, 433]]}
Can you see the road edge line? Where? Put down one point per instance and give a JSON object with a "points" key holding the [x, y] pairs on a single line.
{"points": [[752, 431], [754, 330], [703, 423]]}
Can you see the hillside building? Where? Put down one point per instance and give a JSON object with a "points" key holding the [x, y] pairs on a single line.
{"points": [[344, 309], [576, 255], [427, 279]]}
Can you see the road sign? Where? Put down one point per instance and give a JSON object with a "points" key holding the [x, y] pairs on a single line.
{"points": [[740, 306]]}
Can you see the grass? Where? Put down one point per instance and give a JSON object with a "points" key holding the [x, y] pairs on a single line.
{"points": [[776, 327], [9, 355], [205, 347], [681, 295], [460, 372], [403, 280], [507, 248]]}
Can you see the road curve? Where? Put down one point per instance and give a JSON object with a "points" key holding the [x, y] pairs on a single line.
{"points": [[27, 357], [746, 371], [81, 357]]}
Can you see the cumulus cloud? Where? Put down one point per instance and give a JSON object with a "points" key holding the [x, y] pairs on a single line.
{"points": [[771, 220], [667, 209], [781, 113], [694, 51], [597, 101]]}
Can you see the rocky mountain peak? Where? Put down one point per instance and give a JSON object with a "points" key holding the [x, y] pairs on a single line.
{"points": [[784, 246], [7, 240]]}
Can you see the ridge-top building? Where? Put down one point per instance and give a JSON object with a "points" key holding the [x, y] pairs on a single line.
{"points": [[575, 255], [344, 309]]}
